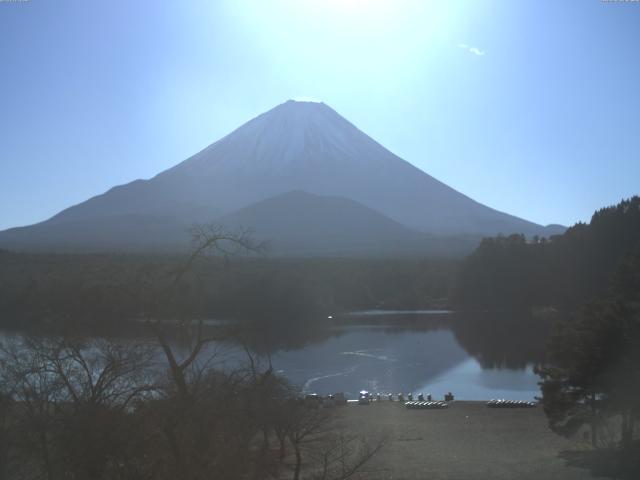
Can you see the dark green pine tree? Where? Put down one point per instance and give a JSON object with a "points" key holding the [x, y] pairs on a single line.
{"points": [[593, 375]]}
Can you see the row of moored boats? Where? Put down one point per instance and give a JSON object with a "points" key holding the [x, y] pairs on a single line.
{"points": [[501, 403], [425, 405]]}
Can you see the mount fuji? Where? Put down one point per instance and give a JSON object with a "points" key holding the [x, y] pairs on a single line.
{"points": [[298, 161]]}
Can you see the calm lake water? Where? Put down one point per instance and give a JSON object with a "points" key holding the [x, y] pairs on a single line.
{"points": [[476, 357], [419, 352]]}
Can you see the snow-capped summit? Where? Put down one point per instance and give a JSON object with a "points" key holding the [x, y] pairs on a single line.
{"points": [[293, 132]]}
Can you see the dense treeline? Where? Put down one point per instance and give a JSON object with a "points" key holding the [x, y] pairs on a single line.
{"points": [[563, 271], [591, 378], [101, 290]]}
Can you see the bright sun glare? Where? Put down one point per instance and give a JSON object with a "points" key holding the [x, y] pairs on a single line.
{"points": [[353, 37], [361, 14]]}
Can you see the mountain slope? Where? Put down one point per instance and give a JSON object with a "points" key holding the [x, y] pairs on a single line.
{"points": [[301, 146], [126, 232], [292, 224]]}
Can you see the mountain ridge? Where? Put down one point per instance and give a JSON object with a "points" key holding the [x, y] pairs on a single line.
{"points": [[298, 146]]}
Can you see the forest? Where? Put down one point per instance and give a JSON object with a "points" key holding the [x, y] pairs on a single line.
{"points": [[104, 291], [563, 272], [589, 276]]}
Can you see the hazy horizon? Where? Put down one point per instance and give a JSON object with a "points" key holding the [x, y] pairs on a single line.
{"points": [[529, 109]]}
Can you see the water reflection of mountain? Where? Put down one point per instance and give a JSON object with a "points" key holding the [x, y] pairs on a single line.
{"points": [[495, 340], [378, 359], [503, 340], [475, 354]]}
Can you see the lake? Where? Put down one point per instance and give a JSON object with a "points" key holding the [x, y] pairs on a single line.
{"points": [[475, 356], [420, 352]]}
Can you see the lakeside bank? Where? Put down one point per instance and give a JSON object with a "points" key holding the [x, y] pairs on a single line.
{"points": [[465, 441]]}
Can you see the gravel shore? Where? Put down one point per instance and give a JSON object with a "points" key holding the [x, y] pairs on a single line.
{"points": [[465, 441]]}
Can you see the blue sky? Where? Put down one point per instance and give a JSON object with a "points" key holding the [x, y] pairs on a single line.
{"points": [[530, 107]]}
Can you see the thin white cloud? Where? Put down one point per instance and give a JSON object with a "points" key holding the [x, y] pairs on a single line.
{"points": [[471, 49]]}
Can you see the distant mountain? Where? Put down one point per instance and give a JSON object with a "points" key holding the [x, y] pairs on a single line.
{"points": [[299, 223], [297, 146], [292, 224]]}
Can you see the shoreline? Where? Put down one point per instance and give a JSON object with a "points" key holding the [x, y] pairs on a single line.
{"points": [[467, 440]]}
